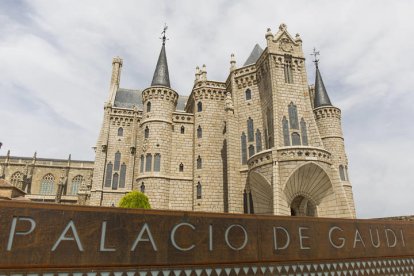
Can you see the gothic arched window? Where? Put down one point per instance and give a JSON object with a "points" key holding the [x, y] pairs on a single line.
{"points": [[182, 129], [117, 161], [149, 107], [288, 69], [248, 94], [341, 172], [108, 176], [199, 107], [293, 116], [76, 182], [16, 179], [286, 135], [251, 151], [141, 169], [157, 162], [250, 130], [243, 148], [304, 132], [295, 139], [46, 186], [120, 131], [142, 187], [199, 190], [199, 132], [181, 167], [122, 176], [199, 162], [258, 140], [115, 180], [146, 132], [148, 162]]}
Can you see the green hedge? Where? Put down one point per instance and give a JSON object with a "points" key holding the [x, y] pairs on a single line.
{"points": [[135, 199]]}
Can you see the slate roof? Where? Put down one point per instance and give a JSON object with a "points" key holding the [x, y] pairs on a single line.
{"points": [[321, 96], [254, 55]]}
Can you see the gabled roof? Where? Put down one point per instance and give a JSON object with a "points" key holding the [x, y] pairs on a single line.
{"points": [[254, 55]]}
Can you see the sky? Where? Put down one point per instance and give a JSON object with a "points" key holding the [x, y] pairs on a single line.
{"points": [[55, 66]]}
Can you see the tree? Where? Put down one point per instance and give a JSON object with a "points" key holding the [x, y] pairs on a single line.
{"points": [[134, 199]]}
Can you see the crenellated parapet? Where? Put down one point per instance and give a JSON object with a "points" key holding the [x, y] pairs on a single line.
{"points": [[327, 112], [160, 93], [218, 94]]}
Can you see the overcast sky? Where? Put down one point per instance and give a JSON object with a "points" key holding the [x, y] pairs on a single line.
{"points": [[55, 65]]}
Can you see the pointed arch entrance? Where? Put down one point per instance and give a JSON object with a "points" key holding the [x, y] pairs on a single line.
{"points": [[259, 194], [306, 188]]}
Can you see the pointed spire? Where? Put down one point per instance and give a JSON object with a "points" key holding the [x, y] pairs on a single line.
{"points": [[161, 75], [254, 55], [321, 96]]}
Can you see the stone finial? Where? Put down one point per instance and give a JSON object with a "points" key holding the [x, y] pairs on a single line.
{"points": [[197, 74], [298, 38], [283, 27], [8, 154], [232, 63], [269, 34], [204, 73], [118, 60]]}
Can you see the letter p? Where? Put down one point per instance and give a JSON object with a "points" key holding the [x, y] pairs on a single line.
{"points": [[19, 233]]}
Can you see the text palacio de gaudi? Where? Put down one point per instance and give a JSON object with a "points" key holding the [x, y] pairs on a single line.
{"points": [[262, 141]]}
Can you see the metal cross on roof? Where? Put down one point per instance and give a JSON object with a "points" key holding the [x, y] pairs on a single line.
{"points": [[164, 38], [315, 54]]}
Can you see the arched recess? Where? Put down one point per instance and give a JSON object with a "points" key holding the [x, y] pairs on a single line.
{"points": [[261, 193], [306, 188]]}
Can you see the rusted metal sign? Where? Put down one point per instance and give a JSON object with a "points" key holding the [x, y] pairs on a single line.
{"points": [[47, 236]]}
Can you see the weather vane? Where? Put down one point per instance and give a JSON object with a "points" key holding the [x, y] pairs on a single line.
{"points": [[164, 38], [315, 54]]}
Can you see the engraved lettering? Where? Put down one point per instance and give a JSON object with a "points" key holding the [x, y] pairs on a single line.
{"points": [[286, 245], [139, 238], [174, 243], [387, 230], [210, 237], [102, 247], [63, 237], [302, 237], [402, 237], [226, 237], [378, 243], [342, 240], [13, 229], [358, 238]]}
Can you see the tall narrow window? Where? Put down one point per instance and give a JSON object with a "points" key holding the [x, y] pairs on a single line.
{"points": [[120, 131], [250, 130], [146, 132], [108, 176], [46, 186], [122, 176], [258, 141], [288, 69], [293, 116], [76, 182], [142, 188], [243, 148], [251, 151], [295, 139], [157, 162], [117, 161], [270, 130], [341, 173], [148, 162], [248, 94], [199, 107], [304, 132], [182, 129], [181, 167], [115, 180], [149, 107], [286, 135], [199, 190], [199, 132], [142, 164], [199, 162]]}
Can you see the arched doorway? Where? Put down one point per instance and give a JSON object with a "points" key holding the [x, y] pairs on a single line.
{"points": [[259, 194], [306, 188], [302, 206]]}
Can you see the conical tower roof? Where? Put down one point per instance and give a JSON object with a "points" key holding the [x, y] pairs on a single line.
{"points": [[161, 75], [254, 55], [321, 96]]}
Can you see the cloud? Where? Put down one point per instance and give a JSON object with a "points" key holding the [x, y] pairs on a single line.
{"points": [[56, 65]]}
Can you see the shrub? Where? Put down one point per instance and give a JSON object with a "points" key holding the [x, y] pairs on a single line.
{"points": [[134, 199]]}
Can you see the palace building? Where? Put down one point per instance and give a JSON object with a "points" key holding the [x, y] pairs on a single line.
{"points": [[262, 141]]}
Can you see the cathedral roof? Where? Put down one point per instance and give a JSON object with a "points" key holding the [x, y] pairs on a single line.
{"points": [[321, 96], [254, 55], [161, 76], [128, 98]]}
